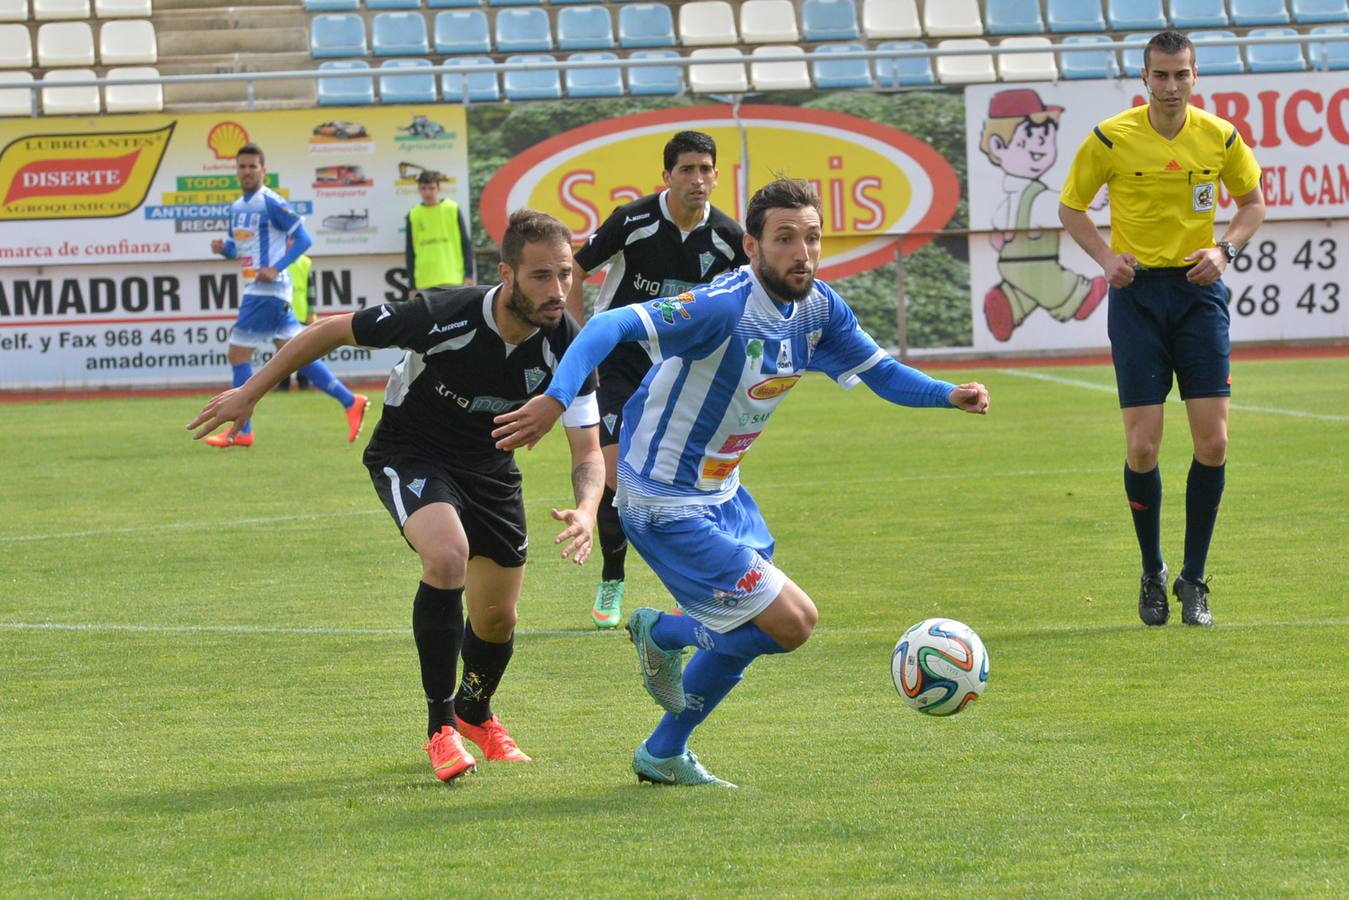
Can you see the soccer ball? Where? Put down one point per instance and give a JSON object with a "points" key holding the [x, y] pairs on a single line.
{"points": [[939, 667]]}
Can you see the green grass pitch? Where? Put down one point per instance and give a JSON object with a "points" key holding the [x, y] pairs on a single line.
{"points": [[209, 684]]}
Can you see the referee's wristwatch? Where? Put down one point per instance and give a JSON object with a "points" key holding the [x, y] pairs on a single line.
{"points": [[1232, 250]]}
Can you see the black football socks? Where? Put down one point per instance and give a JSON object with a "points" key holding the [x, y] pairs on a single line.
{"points": [[438, 628]]}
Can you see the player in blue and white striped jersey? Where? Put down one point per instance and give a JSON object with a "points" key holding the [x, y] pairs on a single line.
{"points": [[266, 236], [723, 357]]}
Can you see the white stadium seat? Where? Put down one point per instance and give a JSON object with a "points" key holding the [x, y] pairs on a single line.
{"points": [[767, 21], [1027, 66], [16, 47], [119, 98], [65, 44], [779, 76], [721, 77], [890, 19], [952, 18], [964, 69], [127, 42], [122, 9], [69, 101], [15, 101], [13, 10], [705, 22], [44, 10]]}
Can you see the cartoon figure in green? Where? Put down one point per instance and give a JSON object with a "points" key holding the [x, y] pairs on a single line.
{"points": [[1021, 137]]}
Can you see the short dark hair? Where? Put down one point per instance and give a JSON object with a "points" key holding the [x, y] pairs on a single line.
{"points": [[689, 142], [1167, 42], [529, 226], [429, 176], [252, 149], [781, 193]]}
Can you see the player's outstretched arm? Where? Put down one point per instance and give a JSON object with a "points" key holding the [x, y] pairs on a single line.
{"points": [[971, 397], [587, 484], [236, 405]]}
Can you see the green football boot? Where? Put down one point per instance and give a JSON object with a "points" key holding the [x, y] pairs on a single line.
{"points": [[662, 670], [608, 609], [683, 769]]}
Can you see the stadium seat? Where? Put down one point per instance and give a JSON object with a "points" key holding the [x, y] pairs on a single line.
{"points": [[597, 82], [399, 34], [532, 84], [1275, 57], [1198, 14], [1131, 58], [337, 34], [952, 18], [646, 25], [1027, 66], [16, 47], [904, 71], [407, 86], [1088, 63], [1332, 55], [890, 19], [779, 76], [127, 98], [584, 28], [1135, 15], [1216, 60], [452, 4], [768, 21], [829, 20], [70, 101], [122, 9], [726, 77], [127, 42], [646, 81], [350, 90], [46, 10], [705, 22], [13, 11], [1075, 15], [969, 69], [514, 2], [1259, 12], [456, 87], [840, 74], [1314, 11], [522, 30], [65, 44], [462, 32], [15, 101], [325, 6], [393, 4], [1013, 17]]}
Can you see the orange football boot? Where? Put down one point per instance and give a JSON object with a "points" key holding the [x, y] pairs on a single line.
{"points": [[492, 737], [448, 756], [223, 439], [356, 416]]}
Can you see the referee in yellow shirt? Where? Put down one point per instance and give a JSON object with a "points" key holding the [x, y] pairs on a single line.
{"points": [[1168, 305]]}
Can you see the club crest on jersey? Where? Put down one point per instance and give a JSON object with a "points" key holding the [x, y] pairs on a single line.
{"points": [[609, 422], [533, 378], [813, 339], [416, 486], [1203, 197], [672, 305], [705, 261]]}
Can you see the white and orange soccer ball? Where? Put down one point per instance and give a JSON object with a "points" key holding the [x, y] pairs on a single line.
{"points": [[939, 667]]}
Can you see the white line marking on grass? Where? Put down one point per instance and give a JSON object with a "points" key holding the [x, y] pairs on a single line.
{"points": [[1110, 389], [259, 629], [185, 526]]}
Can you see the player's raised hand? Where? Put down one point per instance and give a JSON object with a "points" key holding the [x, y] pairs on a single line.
{"points": [[971, 397], [217, 246], [227, 406], [524, 426], [579, 533]]}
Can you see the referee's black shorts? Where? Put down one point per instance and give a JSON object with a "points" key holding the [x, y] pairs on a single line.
{"points": [[621, 375]]}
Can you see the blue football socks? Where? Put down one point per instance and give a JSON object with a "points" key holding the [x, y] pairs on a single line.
{"points": [[322, 377], [708, 678], [241, 373], [749, 640]]}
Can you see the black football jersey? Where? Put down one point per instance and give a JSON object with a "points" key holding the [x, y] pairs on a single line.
{"points": [[458, 373], [653, 258]]}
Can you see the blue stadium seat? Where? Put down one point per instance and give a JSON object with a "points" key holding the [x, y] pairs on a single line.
{"points": [[1088, 63], [839, 74], [537, 84], [1216, 60], [905, 71], [452, 4], [1135, 15], [829, 20], [599, 82], [646, 25], [337, 34], [351, 90], [1312, 11], [584, 28], [1013, 17], [515, 2], [322, 6], [1274, 57], [399, 34], [1330, 54], [474, 86], [1198, 14], [1259, 12], [655, 80], [1075, 15], [1131, 59], [393, 4], [462, 31], [521, 30], [409, 86]]}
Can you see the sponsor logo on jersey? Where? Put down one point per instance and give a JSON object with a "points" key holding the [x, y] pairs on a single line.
{"points": [[533, 377], [609, 422], [416, 486], [705, 261], [738, 443], [773, 387], [441, 329], [747, 419], [494, 405], [384, 313], [672, 305], [754, 349], [784, 356], [1203, 197], [628, 220], [750, 580]]}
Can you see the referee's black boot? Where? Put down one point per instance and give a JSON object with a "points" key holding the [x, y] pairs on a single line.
{"points": [[1193, 597], [1153, 608]]}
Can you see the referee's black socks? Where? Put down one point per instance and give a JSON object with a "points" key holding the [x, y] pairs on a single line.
{"points": [[438, 628]]}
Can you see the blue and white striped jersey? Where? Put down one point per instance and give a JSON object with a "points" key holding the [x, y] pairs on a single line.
{"points": [[724, 355], [258, 227]]}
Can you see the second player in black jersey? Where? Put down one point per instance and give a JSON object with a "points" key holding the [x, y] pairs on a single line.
{"points": [[472, 353], [658, 246]]}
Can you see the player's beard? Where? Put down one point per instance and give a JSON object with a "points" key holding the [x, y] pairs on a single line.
{"points": [[526, 310], [775, 283]]}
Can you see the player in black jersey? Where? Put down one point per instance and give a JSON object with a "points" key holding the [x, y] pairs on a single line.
{"points": [[661, 246], [473, 353]]}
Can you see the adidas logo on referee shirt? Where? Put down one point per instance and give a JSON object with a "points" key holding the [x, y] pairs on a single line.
{"points": [[1172, 166]]}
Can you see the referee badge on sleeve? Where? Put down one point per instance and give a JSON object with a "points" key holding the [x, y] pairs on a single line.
{"points": [[1203, 197]]}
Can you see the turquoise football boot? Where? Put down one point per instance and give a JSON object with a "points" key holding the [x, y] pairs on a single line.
{"points": [[683, 769], [662, 670]]}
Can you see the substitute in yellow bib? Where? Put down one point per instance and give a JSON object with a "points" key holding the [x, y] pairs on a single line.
{"points": [[1168, 305], [439, 248]]}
